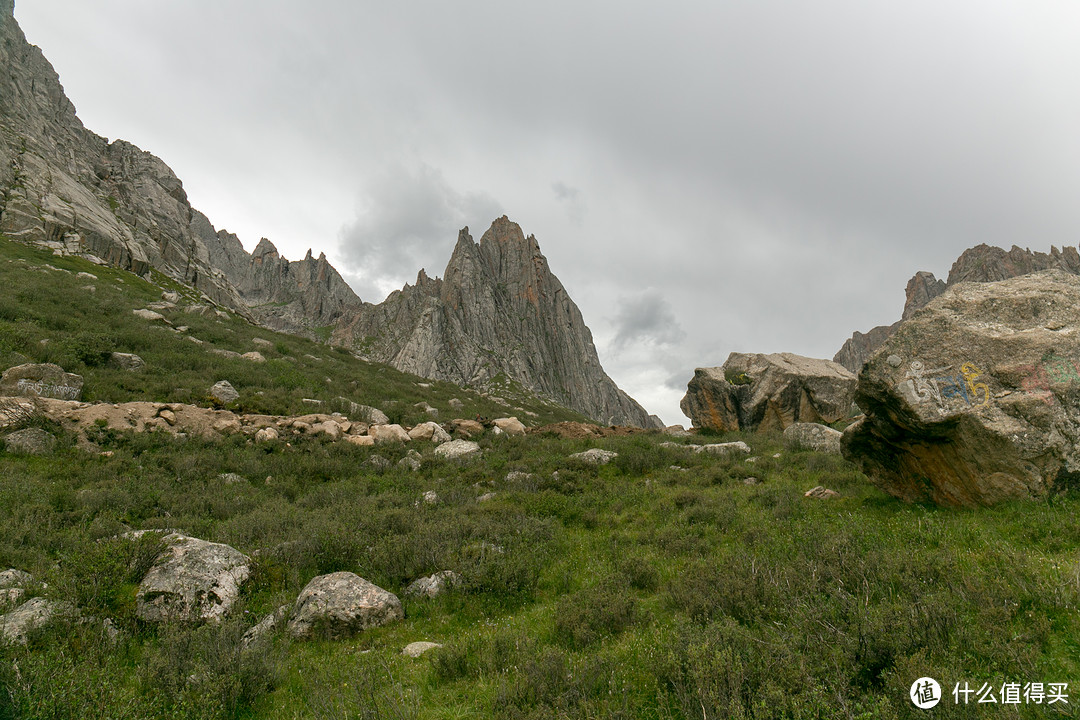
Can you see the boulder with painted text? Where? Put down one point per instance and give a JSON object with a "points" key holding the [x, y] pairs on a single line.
{"points": [[976, 397]]}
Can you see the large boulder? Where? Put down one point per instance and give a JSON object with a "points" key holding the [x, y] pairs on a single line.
{"points": [[41, 380], [191, 580], [510, 425], [434, 585], [976, 398], [342, 604], [429, 431], [126, 361], [768, 392]]}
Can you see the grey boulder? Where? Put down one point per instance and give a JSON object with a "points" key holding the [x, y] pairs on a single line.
{"points": [[342, 604], [191, 580], [31, 441], [812, 436], [223, 392], [41, 380]]}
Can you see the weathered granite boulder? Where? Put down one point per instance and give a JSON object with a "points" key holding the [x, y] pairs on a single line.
{"points": [[429, 431], [416, 649], [812, 436], [434, 585], [457, 449], [16, 410], [41, 380], [467, 428], [595, 456], [126, 361], [31, 441], [16, 626], [260, 633], [510, 425], [768, 392], [342, 604], [976, 398], [388, 434], [191, 580], [223, 392]]}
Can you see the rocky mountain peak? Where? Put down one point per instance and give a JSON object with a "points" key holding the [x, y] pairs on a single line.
{"points": [[498, 312], [263, 249], [921, 289]]}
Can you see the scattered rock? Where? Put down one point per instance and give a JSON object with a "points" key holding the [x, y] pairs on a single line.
{"points": [[416, 649], [676, 431], [457, 449], [262, 342], [126, 361], [231, 478], [15, 579], [821, 493], [254, 356], [516, 476], [17, 625], [595, 456], [984, 404], [434, 585], [361, 440], [485, 497], [455, 403], [511, 426], [223, 392], [429, 431], [368, 414], [44, 380], [341, 604], [266, 434], [148, 314], [812, 436], [191, 580], [430, 497], [768, 392], [410, 461], [467, 428], [14, 411], [257, 634], [727, 448], [31, 441], [169, 296], [751, 481], [388, 434], [329, 428]]}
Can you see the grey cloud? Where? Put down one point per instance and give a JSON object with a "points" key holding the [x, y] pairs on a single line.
{"points": [[410, 221], [571, 199], [646, 318]]}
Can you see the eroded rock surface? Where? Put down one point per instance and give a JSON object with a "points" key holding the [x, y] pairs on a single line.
{"points": [[976, 398], [768, 392], [191, 580], [342, 604]]}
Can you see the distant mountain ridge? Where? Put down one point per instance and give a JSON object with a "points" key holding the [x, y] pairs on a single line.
{"points": [[982, 263], [66, 188]]}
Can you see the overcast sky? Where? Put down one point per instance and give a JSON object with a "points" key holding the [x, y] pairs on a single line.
{"points": [[704, 177]]}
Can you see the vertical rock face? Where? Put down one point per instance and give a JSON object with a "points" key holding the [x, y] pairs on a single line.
{"points": [[976, 399], [63, 187], [982, 263], [498, 311]]}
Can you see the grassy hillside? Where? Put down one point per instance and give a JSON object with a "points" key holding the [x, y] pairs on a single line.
{"points": [[662, 585], [48, 313]]}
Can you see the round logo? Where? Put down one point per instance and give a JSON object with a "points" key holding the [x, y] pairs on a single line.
{"points": [[925, 693]]}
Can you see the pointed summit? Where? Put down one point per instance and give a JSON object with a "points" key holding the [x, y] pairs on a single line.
{"points": [[498, 312]]}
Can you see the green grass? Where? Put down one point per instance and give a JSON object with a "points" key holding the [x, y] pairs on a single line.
{"points": [[658, 586], [49, 316]]}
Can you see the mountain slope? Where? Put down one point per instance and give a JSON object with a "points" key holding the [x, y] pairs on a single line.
{"points": [[66, 188], [498, 312]]}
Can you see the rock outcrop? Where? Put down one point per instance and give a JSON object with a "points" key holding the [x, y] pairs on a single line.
{"points": [[768, 392], [976, 398], [982, 263], [812, 436], [498, 310], [44, 380]]}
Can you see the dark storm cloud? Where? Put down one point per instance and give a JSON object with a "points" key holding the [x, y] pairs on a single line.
{"points": [[410, 222], [773, 170]]}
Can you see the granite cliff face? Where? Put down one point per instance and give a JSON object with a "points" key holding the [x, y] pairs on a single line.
{"points": [[69, 189], [982, 263], [498, 310]]}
